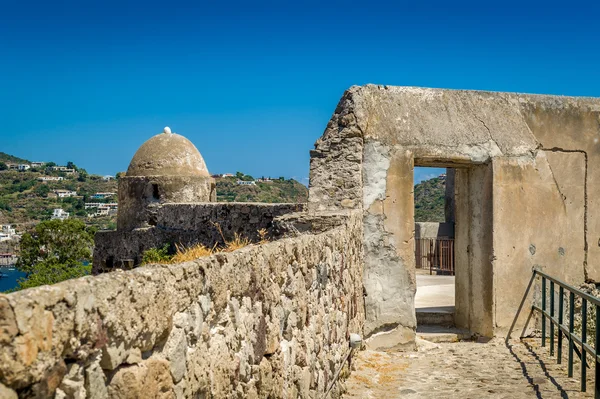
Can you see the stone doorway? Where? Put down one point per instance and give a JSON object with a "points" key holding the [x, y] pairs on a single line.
{"points": [[463, 301], [434, 252]]}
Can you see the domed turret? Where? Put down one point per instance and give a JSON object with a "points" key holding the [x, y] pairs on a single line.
{"points": [[167, 154], [167, 168]]}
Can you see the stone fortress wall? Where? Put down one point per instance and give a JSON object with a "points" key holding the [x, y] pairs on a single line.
{"points": [[186, 225], [270, 320]]}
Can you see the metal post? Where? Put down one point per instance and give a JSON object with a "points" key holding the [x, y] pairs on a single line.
{"points": [[571, 329], [561, 294], [543, 310], [583, 340], [551, 318]]}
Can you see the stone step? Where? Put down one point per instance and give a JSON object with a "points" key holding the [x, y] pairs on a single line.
{"points": [[444, 319], [438, 334]]}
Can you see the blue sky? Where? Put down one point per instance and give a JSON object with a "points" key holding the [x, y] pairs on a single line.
{"points": [[253, 84]]}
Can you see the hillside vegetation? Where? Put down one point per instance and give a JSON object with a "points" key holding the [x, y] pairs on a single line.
{"points": [[4, 157], [25, 201], [430, 200], [279, 190]]}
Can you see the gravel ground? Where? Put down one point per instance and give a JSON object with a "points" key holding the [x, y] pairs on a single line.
{"points": [[522, 369]]}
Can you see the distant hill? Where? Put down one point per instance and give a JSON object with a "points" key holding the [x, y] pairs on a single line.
{"points": [[430, 200], [4, 157], [25, 200], [276, 191]]}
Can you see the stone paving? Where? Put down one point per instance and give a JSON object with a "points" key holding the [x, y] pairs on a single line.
{"points": [[465, 370]]}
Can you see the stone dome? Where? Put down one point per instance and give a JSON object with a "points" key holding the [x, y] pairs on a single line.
{"points": [[167, 154]]}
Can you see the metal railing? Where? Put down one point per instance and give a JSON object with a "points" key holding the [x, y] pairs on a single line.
{"points": [[577, 345], [435, 254]]}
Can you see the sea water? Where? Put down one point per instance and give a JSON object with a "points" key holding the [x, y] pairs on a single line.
{"points": [[9, 278]]}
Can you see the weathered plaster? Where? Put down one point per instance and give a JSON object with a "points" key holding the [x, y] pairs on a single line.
{"points": [[516, 187]]}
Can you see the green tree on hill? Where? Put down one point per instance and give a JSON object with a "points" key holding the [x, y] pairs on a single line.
{"points": [[83, 175], [3, 166], [57, 250], [42, 190]]}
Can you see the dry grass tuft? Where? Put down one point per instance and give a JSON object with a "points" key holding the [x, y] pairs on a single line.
{"points": [[262, 233], [194, 252], [237, 243], [185, 254]]}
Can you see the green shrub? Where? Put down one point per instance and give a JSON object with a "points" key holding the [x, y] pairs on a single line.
{"points": [[156, 255]]}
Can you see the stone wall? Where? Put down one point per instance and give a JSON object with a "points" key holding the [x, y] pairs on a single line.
{"points": [[336, 162], [434, 230], [529, 195], [270, 320], [185, 225]]}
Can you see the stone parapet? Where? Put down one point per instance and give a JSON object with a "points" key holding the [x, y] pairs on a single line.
{"points": [[186, 224], [270, 320]]}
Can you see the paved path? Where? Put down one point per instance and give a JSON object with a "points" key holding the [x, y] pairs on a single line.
{"points": [[434, 292], [464, 370]]}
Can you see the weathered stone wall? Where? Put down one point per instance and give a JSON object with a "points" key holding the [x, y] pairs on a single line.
{"points": [[520, 208], [269, 320], [185, 225], [336, 162], [140, 196], [434, 230]]}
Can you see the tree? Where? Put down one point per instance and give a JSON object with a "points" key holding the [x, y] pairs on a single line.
{"points": [[57, 250], [42, 190], [71, 165], [3, 166], [83, 174], [239, 175], [49, 164]]}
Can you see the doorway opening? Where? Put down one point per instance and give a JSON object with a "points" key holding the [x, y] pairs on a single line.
{"points": [[463, 300], [434, 246]]}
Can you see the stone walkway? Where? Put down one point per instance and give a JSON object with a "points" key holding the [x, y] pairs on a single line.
{"points": [[434, 292], [465, 370]]}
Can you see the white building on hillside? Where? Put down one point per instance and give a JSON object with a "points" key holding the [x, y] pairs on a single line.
{"points": [[63, 169], [112, 205], [7, 229], [37, 164], [23, 167], [60, 214], [50, 178], [102, 209], [7, 233], [103, 195], [246, 183], [108, 177], [65, 193]]}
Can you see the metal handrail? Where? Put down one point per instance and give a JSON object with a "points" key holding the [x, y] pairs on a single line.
{"points": [[567, 330], [590, 298]]}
